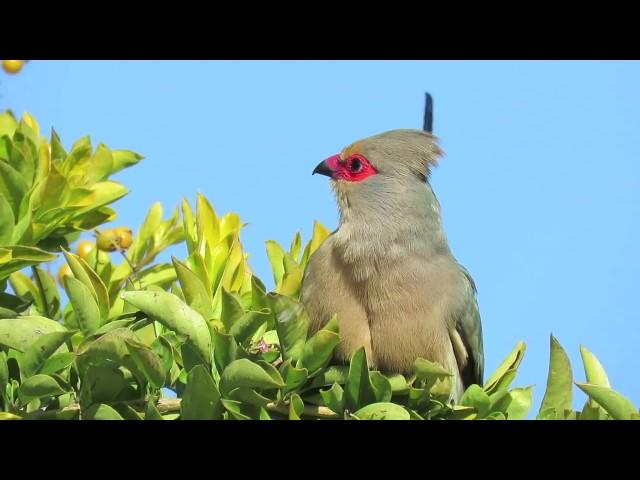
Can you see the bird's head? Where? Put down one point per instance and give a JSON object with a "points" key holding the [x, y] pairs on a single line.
{"points": [[381, 170]]}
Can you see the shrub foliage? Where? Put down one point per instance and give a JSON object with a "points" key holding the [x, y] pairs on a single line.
{"points": [[204, 326]]}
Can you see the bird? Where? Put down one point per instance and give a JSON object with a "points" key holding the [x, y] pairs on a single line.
{"points": [[387, 272]]}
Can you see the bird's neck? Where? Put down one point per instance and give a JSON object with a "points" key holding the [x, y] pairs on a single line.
{"points": [[377, 229]]}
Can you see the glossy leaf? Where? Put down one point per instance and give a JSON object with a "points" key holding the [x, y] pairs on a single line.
{"points": [[244, 373], [175, 315], [559, 392], [358, 388], [201, 399], [382, 411], [39, 352]]}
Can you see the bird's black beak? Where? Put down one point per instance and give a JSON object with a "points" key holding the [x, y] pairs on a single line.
{"points": [[323, 169], [328, 167]]}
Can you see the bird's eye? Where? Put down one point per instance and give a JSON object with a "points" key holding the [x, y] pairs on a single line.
{"points": [[356, 165]]}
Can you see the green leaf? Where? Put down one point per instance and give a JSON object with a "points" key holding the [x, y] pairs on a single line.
{"points": [[101, 384], [334, 398], [333, 374], [496, 416], [521, 401], [12, 187], [559, 393], [151, 412], [477, 398], [594, 371], [358, 389], [83, 272], [435, 377], [318, 350], [231, 310], [189, 225], [296, 244], [244, 328], [616, 405], [505, 373], [4, 373], [296, 407], [36, 355], [19, 257], [294, 378], [25, 288], [107, 327], [276, 258], [163, 349], [57, 150], [161, 275], [224, 350], [426, 370], [292, 325], [235, 409], [147, 361], [418, 398], [9, 416], [463, 413], [20, 333], [381, 386], [39, 386], [201, 399], [84, 305], [208, 226], [105, 193], [244, 373], [48, 292], [100, 164], [57, 362], [382, 411], [123, 159], [292, 278], [24, 156], [320, 234], [259, 298], [8, 123], [271, 371], [127, 411], [229, 224], [174, 314], [248, 395], [52, 194], [398, 383], [110, 346], [144, 240], [332, 324], [101, 412], [195, 293], [7, 221]]}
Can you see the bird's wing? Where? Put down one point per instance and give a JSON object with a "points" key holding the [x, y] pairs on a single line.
{"points": [[466, 337]]}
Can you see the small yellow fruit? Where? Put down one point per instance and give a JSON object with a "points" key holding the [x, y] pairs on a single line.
{"points": [[65, 271], [12, 66], [124, 237], [107, 240], [84, 248]]}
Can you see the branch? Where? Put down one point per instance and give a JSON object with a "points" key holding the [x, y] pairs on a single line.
{"points": [[172, 405]]}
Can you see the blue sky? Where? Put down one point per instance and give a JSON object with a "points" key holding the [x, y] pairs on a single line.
{"points": [[540, 185]]}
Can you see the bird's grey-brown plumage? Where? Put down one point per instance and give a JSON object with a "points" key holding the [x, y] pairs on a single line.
{"points": [[387, 271]]}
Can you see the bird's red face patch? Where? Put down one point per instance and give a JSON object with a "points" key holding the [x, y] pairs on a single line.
{"points": [[353, 168]]}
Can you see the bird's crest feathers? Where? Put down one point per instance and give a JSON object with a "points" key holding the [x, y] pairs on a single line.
{"points": [[415, 149]]}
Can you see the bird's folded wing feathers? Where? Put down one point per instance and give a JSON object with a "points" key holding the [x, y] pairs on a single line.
{"points": [[466, 337]]}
